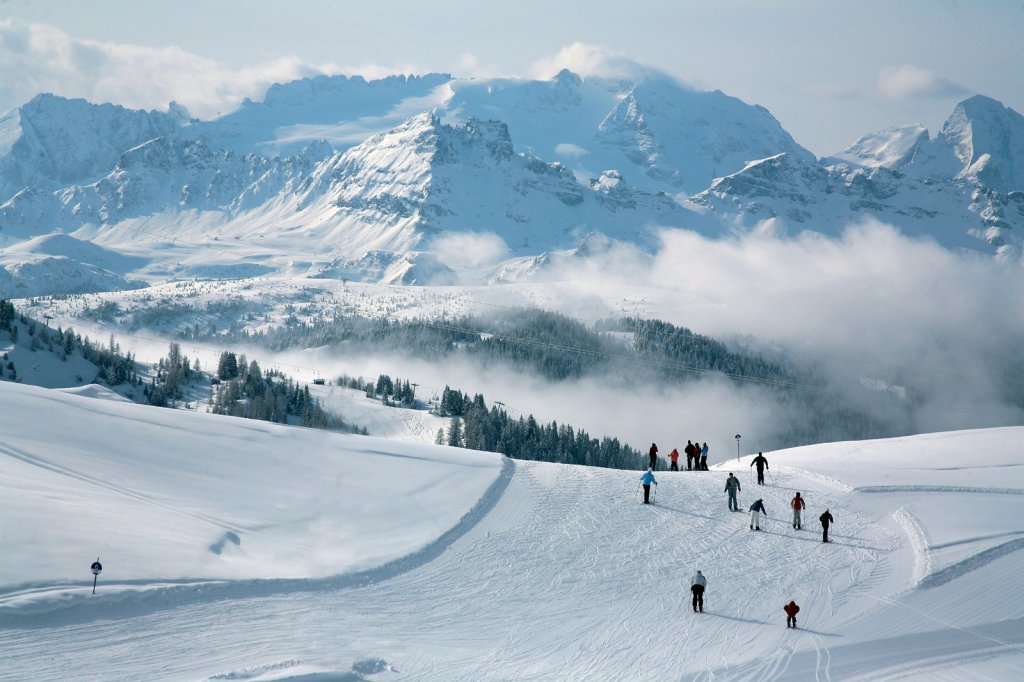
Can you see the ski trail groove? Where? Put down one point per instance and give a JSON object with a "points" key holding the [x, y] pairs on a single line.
{"points": [[173, 594]]}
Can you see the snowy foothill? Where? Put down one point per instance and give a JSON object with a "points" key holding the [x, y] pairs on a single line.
{"points": [[245, 550]]}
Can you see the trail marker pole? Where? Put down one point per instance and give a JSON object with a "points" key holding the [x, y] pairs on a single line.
{"points": [[737, 447], [96, 567]]}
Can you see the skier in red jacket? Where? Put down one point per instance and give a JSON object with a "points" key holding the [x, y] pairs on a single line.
{"points": [[791, 610], [797, 503]]}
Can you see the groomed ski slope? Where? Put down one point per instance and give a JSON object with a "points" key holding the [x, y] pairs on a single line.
{"points": [[529, 571]]}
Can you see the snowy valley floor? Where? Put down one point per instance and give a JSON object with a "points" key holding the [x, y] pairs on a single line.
{"points": [[456, 565]]}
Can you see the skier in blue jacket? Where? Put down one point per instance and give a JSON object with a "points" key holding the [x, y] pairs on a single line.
{"points": [[756, 510], [647, 479]]}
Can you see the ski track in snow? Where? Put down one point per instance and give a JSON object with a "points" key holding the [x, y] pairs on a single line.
{"points": [[937, 489], [972, 563], [560, 547], [149, 596]]}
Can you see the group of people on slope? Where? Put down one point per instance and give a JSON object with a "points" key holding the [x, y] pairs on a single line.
{"points": [[696, 457], [733, 486], [698, 583]]}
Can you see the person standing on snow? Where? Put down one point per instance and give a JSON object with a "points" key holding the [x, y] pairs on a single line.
{"points": [[674, 456], [697, 584], [756, 510], [704, 458], [689, 449], [797, 503], [791, 610], [647, 479], [825, 519], [762, 464], [654, 457], [732, 486]]}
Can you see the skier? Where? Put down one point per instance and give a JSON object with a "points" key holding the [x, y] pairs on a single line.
{"points": [[704, 458], [697, 584], [825, 519], [689, 454], [756, 510], [647, 479], [762, 464], [732, 486], [797, 503], [791, 610], [674, 456], [654, 456]]}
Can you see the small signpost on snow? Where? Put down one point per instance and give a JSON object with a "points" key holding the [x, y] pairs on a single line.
{"points": [[96, 567], [737, 447]]}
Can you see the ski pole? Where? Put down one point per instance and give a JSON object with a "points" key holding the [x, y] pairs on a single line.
{"points": [[654, 493], [772, 478]]}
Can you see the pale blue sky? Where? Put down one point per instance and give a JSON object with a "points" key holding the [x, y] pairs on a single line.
{"points": [[829, 71]]}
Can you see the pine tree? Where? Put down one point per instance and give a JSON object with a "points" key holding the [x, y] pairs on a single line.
{"points": [[455, 433]]}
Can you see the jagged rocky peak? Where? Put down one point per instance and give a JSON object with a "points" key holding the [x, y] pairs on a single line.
{"points": [[610, 181], [988, 140], [568, 78], [686, 137], [317, 150], [179, 111], [492, 135], [444, 143], [329, 87], [52, 141], [892, 148]]}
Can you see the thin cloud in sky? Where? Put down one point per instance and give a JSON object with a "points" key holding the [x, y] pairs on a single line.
{"points": [[909, 81], [38, 58], [470, 66], [591, 60]]}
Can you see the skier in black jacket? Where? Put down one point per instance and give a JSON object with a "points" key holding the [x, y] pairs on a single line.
{"points": [[762, 464], [825, 519]]}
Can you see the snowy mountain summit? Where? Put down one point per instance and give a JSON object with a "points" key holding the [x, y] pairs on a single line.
{"points": [[964, 187], [329, 170]]}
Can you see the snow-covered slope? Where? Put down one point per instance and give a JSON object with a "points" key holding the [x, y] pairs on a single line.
{"points": [[893, 148], [59, 263], [339, 109], [222, 509], [273, 553]]}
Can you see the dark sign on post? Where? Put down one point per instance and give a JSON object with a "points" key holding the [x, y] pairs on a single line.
{"points": [[96, 568]]}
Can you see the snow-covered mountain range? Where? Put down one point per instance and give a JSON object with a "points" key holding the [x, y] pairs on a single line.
{"points": [[359, 179], [964, 187]]}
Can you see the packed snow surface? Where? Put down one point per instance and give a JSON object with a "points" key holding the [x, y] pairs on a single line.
{"points": [[238, 550]]}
